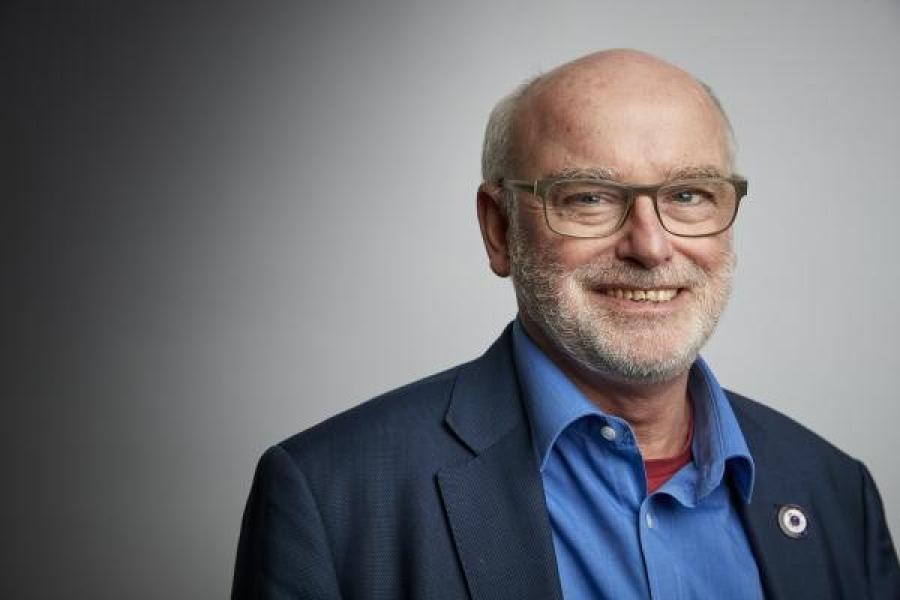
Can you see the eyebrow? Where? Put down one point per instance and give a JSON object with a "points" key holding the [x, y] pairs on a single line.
{"points": [[605, 173], [694, 172], [611, 174]]}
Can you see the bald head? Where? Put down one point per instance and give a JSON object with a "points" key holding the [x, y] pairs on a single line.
{"points": [[592, 95]]}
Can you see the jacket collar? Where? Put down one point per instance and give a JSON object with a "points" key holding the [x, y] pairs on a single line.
{"points": [[485, 403]]}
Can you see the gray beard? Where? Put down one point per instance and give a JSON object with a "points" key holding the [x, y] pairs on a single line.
{"points": [[608, 343]]}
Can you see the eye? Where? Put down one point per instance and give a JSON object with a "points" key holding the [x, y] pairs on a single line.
{"points": [[586, 198], [589, 199], [694, 195], [688, 196]]}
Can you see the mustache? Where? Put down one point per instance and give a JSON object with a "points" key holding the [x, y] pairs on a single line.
{"points": [[624, 275]]}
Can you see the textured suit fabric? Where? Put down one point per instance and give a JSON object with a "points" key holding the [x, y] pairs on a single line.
{"points": [[433, 491]]}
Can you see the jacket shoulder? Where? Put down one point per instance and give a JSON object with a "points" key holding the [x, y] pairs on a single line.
{"points": [[391, 424], [771, 432]]}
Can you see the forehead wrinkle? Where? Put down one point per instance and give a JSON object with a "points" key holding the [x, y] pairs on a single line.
{"points": [[560, 132]]}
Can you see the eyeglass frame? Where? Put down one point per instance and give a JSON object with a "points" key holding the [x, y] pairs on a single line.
{"points": [[539, 188]]}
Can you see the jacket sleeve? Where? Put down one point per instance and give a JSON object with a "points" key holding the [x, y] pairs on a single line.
{"points": [[882, 568], [283, 551]]}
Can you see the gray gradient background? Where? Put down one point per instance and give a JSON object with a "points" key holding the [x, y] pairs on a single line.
{"points": [[221, 225]]}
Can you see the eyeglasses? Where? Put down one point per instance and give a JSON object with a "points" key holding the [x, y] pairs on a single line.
{"points": [[595, 208]]}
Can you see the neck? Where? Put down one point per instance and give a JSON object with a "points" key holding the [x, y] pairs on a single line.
{"points": [[659, 413]]}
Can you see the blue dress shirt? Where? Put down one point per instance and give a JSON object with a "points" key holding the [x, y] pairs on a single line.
{"points": [[612, 539]]}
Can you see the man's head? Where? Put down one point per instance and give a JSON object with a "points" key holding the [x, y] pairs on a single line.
{"points": [[638, 304]]}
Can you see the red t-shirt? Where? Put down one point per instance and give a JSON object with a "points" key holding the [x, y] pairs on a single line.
{"points": [[660, 470]]}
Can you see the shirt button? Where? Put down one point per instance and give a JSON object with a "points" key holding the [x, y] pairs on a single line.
{"points": [[608, 433]]}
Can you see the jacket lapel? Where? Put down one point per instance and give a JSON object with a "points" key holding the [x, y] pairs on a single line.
{"points": [[495, 501], [785, 563]]}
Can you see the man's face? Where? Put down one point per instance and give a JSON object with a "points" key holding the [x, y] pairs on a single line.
{"points": [[638, 305]]}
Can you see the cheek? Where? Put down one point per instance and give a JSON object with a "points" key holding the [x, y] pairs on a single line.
{"points": [[710, 254], [572, 253]]}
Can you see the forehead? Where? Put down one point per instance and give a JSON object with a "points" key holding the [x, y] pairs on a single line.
{"points": [[637, 122]]}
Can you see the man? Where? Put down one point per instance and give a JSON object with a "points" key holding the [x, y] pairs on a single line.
{"points": [[589, 453]]}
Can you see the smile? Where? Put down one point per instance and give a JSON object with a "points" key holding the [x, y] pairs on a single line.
{"points": [[663, 295]]}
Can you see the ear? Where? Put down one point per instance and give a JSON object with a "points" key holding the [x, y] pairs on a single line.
{"points": [[494, 226]]}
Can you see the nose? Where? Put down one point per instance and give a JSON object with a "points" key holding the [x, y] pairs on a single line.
{"points": [[643, 239]]}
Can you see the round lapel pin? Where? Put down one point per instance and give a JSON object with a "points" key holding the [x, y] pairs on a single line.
{"points": [[792, 520]]}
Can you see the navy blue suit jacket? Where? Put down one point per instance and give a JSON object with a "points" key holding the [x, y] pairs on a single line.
{"points": [[433, 491]]}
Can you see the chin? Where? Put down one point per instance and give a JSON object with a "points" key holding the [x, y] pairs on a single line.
{"points": [[622, 347], [634, 358]]}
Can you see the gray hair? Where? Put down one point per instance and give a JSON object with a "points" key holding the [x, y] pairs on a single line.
{"points": [[497, 159], [497, 153]]}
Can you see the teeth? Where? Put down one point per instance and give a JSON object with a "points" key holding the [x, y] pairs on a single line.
{"points": [[642, 295]]}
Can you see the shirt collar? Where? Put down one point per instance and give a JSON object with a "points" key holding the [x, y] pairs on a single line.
{"points": [[553, 402]]}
